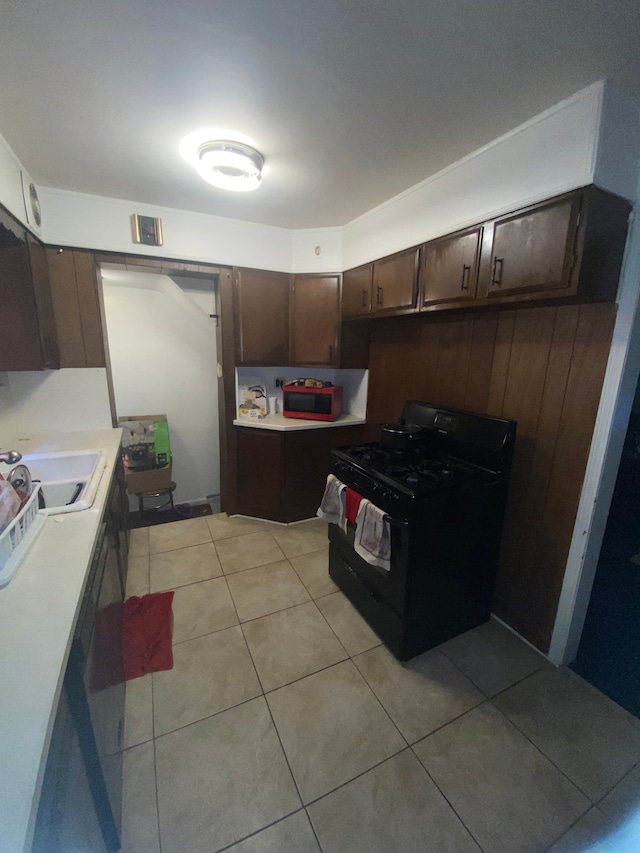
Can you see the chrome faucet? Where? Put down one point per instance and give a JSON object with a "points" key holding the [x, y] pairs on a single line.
{"points": [[10, 457]]}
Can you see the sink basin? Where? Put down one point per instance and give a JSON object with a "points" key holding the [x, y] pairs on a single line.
{"points": [[62, 494], [50, 467], [69, 479]]}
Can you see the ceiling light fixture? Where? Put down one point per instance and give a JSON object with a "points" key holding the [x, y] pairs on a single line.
{"points": [[229, 165]]}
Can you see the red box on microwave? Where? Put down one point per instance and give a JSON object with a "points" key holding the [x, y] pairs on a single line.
{"points": [[314, 404]]}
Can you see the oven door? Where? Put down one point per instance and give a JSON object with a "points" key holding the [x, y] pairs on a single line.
{"points": [[388, 586], [378, 595]]}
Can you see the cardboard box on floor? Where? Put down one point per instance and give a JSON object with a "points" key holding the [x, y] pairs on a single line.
{"points": [[145, 445]]}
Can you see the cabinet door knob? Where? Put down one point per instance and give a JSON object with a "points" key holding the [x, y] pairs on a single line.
{"points": [[496, 279], [466, 272]]}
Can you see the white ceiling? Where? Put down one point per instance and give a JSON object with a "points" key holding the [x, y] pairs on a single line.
{"points": [[350, 101]]}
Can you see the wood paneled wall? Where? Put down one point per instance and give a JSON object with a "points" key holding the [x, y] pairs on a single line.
{"points": [[544, 368]]}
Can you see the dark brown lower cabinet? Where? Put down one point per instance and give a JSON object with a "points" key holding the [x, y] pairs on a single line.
{"points": [[282, 475]]}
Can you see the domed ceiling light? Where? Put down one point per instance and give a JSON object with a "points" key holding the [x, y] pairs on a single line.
{"points": [[230, 165], [225, 163]]}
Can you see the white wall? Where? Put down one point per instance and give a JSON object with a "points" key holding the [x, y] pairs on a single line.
{"points": [[94, 222], [163, 358], [306, 241], [33, 402]]}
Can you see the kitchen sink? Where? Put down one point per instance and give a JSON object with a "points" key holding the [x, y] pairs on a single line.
{"points": [[69, 479]]}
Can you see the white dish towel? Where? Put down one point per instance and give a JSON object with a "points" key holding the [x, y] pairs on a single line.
{"points": [[373, 536], [332, 505]]}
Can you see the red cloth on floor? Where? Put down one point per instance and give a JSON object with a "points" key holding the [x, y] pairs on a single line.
{"points": [[352, 505], [146, 634]]}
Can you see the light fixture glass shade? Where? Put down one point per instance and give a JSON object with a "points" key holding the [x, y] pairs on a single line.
{"points": [[230, 165]]}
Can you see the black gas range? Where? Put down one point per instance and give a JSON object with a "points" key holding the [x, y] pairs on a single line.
{"points": [[444, 498]]}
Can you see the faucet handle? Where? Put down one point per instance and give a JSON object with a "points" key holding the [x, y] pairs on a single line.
{"points": [[10, 457]]}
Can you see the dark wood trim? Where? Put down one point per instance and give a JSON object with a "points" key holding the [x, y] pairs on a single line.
{"points": [[160, 266], [226, 347], [107, 354]]}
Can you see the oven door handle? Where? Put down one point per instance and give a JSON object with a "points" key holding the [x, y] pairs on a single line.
{"points": [[398, 522]]}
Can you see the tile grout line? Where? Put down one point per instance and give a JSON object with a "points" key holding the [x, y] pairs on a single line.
{"points": [[275, 728], [484, 692], [301, 677], [358, 776], [313, 829], [209, 716], [542, 752], [257, 831], [372, 691], [263, 692], [444, 796], [544, 755], [315, 601], [628, 773], [255, 618], [280, 610]]}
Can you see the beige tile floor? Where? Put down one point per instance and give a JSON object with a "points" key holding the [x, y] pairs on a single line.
{"points": [[286, 727]]}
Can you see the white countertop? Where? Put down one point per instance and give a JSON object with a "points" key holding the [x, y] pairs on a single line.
{"points": [[279, 422], [38, 613]]}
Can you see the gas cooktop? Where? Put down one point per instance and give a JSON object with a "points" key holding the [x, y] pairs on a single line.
{"points": [[415, 471]]}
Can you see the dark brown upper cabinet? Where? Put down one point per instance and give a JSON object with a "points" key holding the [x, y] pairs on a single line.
{"points": [[261, 307], [570, 247], [387, 286], [76, 307], [534, 250], [28, 340], [395, 282], [450, 268], [314, 312], [356, 291]]}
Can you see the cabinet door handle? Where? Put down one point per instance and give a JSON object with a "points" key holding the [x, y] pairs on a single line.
{"points": [[379, 295], [466, 272], [496, 279], [364, 298]]}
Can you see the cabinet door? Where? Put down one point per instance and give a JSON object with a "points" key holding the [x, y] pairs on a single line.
{"points": [[395, 282], [450, 268], [20, 343], [314, 320], [44, 302], [356, 291], [76, 307], [533, 250], [261, 303], [307, 461], [260, 473]]}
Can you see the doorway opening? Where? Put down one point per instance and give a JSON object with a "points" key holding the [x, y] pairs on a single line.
{"points": [[609, 651], [161, 333]]}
